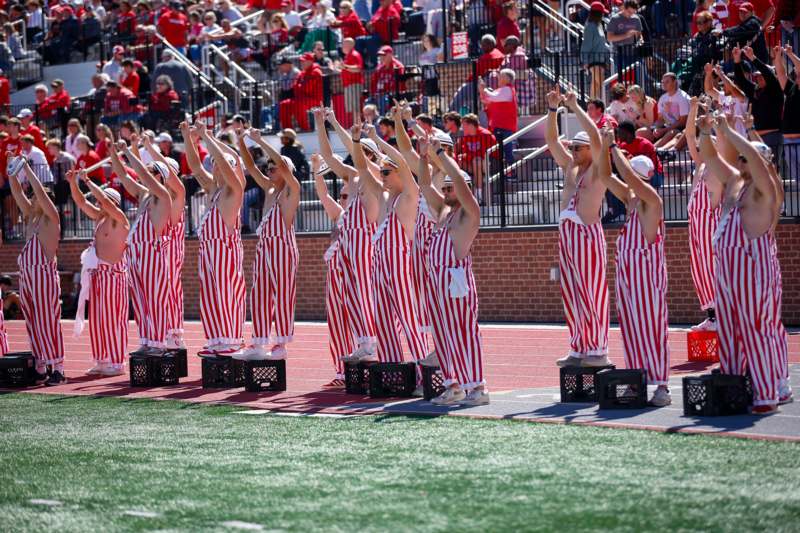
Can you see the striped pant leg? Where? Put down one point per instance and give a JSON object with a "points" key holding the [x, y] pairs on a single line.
{"points": [[420, 285], [108, 315], [758, 327], [175, 266], [438, 325], [221, 292], [3, 336], [404, 304], [782, 337], [389, 348], [284, 271], [156, 291], [340, 335], [137, 298], [355, 256], [582, 253], [460, 325], [262, 296], [641, 301], [40, 292], [701, 257], [731, 356]]}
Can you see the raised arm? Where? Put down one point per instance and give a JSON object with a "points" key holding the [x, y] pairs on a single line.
{"points": [[174, 182], [280, 165], [48, 207], [133, 188], [586, 123], [366, 180], [643, 190], [780, 67], [106, 206], [465, 197], [409, 183], [227, 173], [557, 150], [156, 189], [708, 152], [708, 83], [203, 177], [617, 187], [433, 197], [16, 191], [404, 145], [250, 165], [343, 134], [332, 208], [339, 168], [755, 163], [691, 133], [79, 198]]}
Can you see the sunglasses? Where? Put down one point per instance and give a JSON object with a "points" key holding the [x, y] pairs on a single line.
{"points": [[578, 147], [447, 188], [386, 171]]}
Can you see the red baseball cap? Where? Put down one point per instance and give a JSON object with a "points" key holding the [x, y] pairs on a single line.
{"points": [[118, 49], [598, 6], [308, 56], [747, 6], [385, 49]]}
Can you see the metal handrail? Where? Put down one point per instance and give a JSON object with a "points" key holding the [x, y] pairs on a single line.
{"points": [[556, 17], [251, 16], [537, 152], [180, 58], [562, 18], [24, 31], [239, 70], [519, 133]]}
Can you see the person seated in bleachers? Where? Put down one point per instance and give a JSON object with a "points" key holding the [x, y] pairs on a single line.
{"points": [[130, 78], [36, 159], [489, 60], [291, 148], [507, 25], [120, 105], [87, 158], [275, 37], [673, 109], [387, 80], [348, 22], [596, 109], [34, 21], [161, 104], [384, 28], [306, 94], [91, 30], [524, 79], [126, 22], [471, 149], [622, 106]]}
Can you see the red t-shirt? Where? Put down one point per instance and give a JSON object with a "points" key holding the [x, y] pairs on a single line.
{"points": [[5, 92], [174, 26], [162, 102], [351, 26], [87, 160], [471, 147], [488, 62], [507, 27], [352, 78], [201, 152], [386, 23], [8, 145], [640, 146], [119, 103], [606, 119], [102, 149], [54, 102], [126, 22], [131, 82], [384, 78]]}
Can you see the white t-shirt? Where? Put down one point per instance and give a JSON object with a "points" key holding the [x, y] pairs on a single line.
{"points": [[737, 108], [39, 165], [672, 108], [622, 111]]}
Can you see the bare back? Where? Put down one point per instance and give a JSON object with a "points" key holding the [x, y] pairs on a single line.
{"points": [[48, 233]]}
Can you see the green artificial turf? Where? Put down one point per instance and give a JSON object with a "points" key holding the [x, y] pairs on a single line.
{"points": [[197, 467]]}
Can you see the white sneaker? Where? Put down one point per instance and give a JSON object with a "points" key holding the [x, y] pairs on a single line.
{"points": [[278, 353], [419, 392], [255, 352], [477, 396], [451, 396], [661, 397], [785, 394], [364, 352], [595, 360], [97, 369], [112, 370], [569, 360], [431, 360], [705, 325]]}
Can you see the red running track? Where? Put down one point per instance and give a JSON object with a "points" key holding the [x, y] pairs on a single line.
{"points": [[516, 357]]}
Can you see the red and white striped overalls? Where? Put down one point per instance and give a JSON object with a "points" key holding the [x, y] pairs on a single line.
{"points": [[584, 289], [454, 314], [108, 310], [274, 283], [394, 291], [777, 302], [40, 295], [745, 303], [340, 329], [419, 248], [176, 236], [3, 334], [222, 287], [355, 260], [149, 278], [642, 299], [703, 221]]}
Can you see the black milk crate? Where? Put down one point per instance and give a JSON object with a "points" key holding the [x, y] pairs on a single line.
{"points": [[717, 394], [153, 370], [222, 372], [392, 380], [621, 389], [180, 360], [17, 369], [265, 375], [432, 382], [356, 377], [578, 383]]}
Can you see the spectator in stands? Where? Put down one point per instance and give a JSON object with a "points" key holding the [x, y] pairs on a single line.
{"points": [[34, 21], [294, 151], [130, 78], [126, 22], [646, 107], [501, 108], [385, 23], [91, 30], [27, 126], [596, 109], [12, 142], [765, 95], [6, 58], [40, 94], [14, 43], [87, 158], [673, 109], [624, 31], [5, 92], [113, 69], [788, 16], [287, 74], [386, 130], [161, 104], [104, 140], [763, 9], [229, 12], [705, 48], [74, 130], [306, 93], [471, 149], [524, 80], [633, 145], [369, 114], [791, 108], [348, 22], [507, 25], [178, 73], [62, 162], [144, 14], [232, 38], [452, 125], [276, 37], [352, 75], [36, 159], [166, 146], [490, 59], [293, 19], [387, 80], [120, 104], [320, 58], [622, 106], [173, 24], [322, 18], [595, 50], [63, 37], [748, 32], [731, 100]]}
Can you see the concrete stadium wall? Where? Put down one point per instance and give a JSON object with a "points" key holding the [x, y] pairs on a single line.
{"points": [[512, 267]]}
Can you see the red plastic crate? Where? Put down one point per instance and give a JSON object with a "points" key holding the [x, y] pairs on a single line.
{"points": [[703, 346]]}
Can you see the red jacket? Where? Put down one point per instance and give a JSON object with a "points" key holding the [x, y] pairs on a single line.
{"points": [[351, 78], [5, 93], [505, 28], [488, 62], [640, 146], [126, 24], [308, 85], [131, 82], [351, 26], [384, 78], [174, 26], [386, 23], [54, 102], [87, 160], [162, 102], [503, 115], [34, 131], [119, 104]]}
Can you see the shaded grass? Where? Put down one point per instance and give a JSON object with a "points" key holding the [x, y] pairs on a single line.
{"points": [[200, 466]]}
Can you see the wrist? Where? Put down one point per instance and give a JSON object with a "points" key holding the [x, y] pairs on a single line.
{"points": [[613, 145], [357, 140], [553, 109], [440, 151]]}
